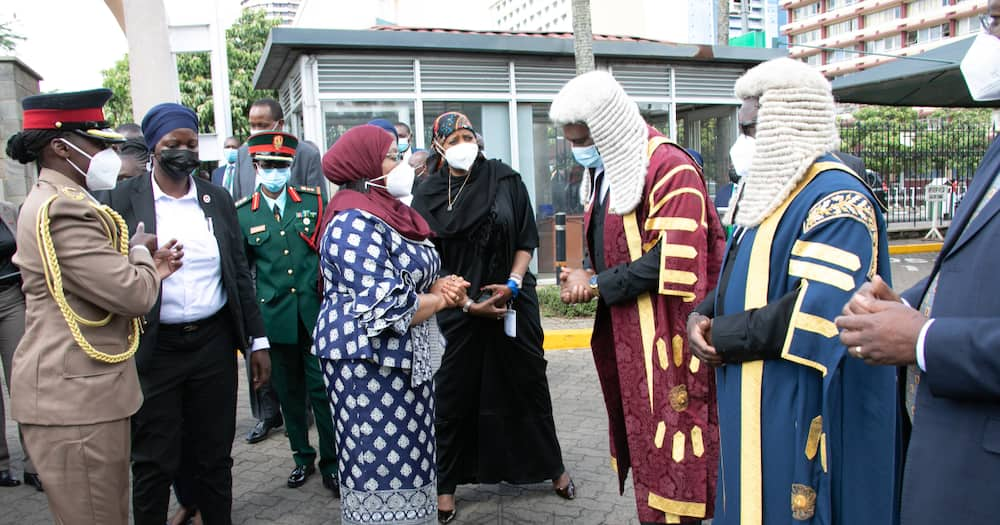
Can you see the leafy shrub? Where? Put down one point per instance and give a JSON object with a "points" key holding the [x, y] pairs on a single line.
{"points": [[552, 306]]}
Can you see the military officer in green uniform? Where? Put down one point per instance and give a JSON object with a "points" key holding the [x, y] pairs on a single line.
{"points": [[279, 224]]}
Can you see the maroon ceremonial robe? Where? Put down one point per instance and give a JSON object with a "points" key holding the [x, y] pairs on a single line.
{"points": [[660, 399]]}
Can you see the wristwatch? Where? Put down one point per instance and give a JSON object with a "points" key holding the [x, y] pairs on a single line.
{"points": [[593, 286], [467, 305]]}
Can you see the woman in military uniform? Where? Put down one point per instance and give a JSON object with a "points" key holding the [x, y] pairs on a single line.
{"points": [[74, 384]]}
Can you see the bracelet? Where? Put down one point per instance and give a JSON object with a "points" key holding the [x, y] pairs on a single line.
{"points": [[514, 288], [467, 305]]}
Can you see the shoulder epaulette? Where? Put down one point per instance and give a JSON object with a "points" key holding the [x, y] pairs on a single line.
{"points": [[242, 201], [308, 189]]}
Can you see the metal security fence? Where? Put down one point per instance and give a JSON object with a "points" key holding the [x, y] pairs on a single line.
{"points": [[906, 162]]}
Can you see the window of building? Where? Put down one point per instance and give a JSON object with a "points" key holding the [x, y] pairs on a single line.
{"points": [[806, 11], [838, 55], [837, 4], [884, 45], [884, 16], [928, 34], [841, 28], [967, 26], [922, 6], [814, 60], [805, 38], [340, 116]]}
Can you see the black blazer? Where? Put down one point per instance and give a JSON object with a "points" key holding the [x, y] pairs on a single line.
{"points": [[133, 199]]}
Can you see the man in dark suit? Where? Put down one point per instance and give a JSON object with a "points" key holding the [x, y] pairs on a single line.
{"points": [[946, 330], [225, 174], [266, 115], [187, 370]]}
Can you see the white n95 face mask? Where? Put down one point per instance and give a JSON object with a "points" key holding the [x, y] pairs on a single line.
{"points": [[462, 156], [981, 67], [102, 174], [398, 182], [742, 155]]}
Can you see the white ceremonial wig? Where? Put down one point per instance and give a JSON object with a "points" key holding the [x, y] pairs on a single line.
{"points": [[619, 132], [796, 124]]}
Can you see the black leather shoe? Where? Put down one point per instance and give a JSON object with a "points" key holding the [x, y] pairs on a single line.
{"points": [[34, 481], [299, 476], [263, 428], [331, 482], [447, 516], [8, 480]]}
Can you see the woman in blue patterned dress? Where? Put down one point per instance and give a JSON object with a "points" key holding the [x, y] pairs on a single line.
{"points": [[376, 335]]}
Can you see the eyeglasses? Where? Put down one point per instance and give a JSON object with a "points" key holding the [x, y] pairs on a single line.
{"points": [[395, 157], [987, 21]]}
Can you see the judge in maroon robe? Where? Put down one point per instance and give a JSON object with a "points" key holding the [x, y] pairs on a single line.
{"points": [[655, 247]]}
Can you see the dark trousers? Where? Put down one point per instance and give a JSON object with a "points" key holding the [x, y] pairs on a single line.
{"points": [[187, 422], [298, 380]]}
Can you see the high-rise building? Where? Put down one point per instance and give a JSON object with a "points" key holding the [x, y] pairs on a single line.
{"points": [[283, 10], [682, 21], [755, 16], [844, 36]]}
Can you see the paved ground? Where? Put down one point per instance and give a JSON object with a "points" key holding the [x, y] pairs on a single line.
{"points": [[260, 470]]}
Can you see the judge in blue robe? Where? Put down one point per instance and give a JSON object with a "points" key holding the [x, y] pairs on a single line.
{"points": [[808, 435]]}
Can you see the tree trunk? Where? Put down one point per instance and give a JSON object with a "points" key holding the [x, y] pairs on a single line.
{"points": [[583, 37], [722, 22]]}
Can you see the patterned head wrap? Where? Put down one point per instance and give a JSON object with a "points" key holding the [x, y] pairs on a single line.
{"points": [[796, 123], [619, 132], [448, 123]]}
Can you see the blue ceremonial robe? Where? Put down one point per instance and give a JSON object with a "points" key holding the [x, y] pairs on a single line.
{"points": [[809, 434]]}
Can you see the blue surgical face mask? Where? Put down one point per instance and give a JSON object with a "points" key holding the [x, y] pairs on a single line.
{"points": [[274, 178], [403, 145], [230, 155], [587, 156]]}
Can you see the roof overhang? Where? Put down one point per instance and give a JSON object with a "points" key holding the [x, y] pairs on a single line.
{"points": [[286, 44], [932, 79]]}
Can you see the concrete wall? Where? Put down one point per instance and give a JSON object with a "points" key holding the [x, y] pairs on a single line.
{"points": [[16, 82]]}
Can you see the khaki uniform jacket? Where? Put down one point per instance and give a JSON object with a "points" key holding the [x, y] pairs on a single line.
{"points": [[53, 381]]}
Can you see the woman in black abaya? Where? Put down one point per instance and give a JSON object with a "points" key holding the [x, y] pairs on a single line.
{"points": [[494, 412]]}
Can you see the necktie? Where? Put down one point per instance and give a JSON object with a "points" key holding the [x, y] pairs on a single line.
{"points": [[227, 179], [277, 213], [912, 371]]}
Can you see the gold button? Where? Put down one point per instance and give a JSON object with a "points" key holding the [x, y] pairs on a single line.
{"points": [[285, 252], [282, 233], [290, 271], [293, 290]]}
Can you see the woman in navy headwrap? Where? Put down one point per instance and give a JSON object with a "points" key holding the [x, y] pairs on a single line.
{"points": [[187, 422]]}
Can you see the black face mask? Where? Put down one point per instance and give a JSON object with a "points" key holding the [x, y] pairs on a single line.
{"points": [[178, 163]]}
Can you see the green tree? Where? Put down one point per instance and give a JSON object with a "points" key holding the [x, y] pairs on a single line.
{"points": [[244, 44], [8, 38], [899, 144]]}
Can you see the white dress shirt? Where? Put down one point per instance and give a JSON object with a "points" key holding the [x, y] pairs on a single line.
{"points": [[194, 292]]}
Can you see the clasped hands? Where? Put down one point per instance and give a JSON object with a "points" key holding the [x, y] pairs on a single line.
{"points": [[453, 289], [876, 326], [574, 285]]}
